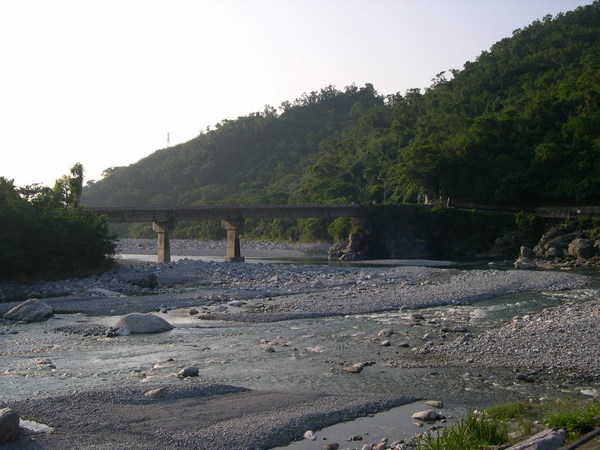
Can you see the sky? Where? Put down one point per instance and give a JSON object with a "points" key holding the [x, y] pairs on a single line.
{"points": [[104, 83]]}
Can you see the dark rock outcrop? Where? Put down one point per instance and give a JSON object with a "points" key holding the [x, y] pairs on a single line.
{"points": [[9, 426], [563, 246]]}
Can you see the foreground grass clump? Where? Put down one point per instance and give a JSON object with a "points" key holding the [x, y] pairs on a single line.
{"points": [[475, 431], [575, 418], [514, 422]]}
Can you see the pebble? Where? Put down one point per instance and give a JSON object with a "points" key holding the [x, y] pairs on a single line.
{"points": [[191, 371], [355, 368], [310, 435], [156, 393], [435, 403], [428, 415], [386, 332], [331, 446]]}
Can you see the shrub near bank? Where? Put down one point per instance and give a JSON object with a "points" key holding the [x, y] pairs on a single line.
{"points": [[515, 422], [44, 233]]}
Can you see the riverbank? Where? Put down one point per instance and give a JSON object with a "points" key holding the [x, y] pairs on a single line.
{"points": [[272, 343]]}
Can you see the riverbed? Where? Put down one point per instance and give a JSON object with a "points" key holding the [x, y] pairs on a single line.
{"points": [[288, 333]]}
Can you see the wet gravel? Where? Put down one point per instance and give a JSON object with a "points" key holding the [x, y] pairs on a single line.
{"points": [[559, 342], [209, 417]]}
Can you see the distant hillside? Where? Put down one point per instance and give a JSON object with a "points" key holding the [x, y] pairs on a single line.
{"points": [[519, 126], [258, 158]]}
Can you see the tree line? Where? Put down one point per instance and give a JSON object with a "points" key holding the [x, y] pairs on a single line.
{"points": [[46, 233], [518, 126]]}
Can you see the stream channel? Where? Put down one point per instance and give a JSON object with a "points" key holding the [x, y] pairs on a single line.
{"points": [[305, 356]]}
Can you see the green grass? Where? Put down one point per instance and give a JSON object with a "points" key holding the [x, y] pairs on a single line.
{"points": [[577, 418], [475, 431], [513, 410], [514, 422]]}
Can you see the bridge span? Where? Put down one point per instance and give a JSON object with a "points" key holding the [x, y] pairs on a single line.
{"points": [[232, 219]]}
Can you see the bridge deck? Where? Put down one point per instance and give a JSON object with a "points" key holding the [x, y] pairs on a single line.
{"points": [[173, 214]]}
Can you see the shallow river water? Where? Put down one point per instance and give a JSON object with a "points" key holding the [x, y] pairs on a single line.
{"points": [[298, 355]]}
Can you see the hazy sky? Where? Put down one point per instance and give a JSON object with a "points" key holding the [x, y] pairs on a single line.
{"points": [[103, 82]]}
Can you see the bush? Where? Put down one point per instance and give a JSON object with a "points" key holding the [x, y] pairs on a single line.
{"points": [[475, 431], [577, 419], [43, 237]]}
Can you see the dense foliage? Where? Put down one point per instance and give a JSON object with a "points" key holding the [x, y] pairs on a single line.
{"points": [[518, 126], [46, 234]]}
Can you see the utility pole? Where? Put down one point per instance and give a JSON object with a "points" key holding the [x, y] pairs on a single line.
{"points": [[168, 140]]}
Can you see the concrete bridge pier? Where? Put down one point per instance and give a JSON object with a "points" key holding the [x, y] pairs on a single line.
{"points": [[164, 232], [234, 227]]}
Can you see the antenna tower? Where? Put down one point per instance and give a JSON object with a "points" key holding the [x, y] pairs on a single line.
{"points": [[168, 140]]}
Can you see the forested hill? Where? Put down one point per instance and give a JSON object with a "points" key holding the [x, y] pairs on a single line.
{"points": [[520, 125]]}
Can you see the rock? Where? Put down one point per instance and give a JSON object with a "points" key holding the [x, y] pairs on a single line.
{"points": [[428, 416], [32, 310], [148, 281], [116, 331], [386, 332], [557, 237], [459, 329], [103, 292], [590, 392], [156, 393], [236, 303], [550, 439], [191, 371], [194, 312], [553, 252], [355, 368], [143, 323], [310, 435], [386, 343], [355, 437], [582, 249], [331, 446], [404, 344], [525, 264], [435, 403], [526, 252], [9, 426]]}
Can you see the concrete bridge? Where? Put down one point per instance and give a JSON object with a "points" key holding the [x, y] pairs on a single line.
{"points": [[231, 217]]}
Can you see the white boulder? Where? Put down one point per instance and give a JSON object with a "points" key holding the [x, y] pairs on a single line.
{"points": [[143, 323], [32, 310]]}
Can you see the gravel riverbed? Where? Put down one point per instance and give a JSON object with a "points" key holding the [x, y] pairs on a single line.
{"points": [[107, 408]]}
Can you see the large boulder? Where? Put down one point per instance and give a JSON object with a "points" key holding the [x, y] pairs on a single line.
{"points": [[582, 248], [32, 310], [9, 426], [557, 237], [526, 252], [550, 439], [525, 264], [143, 323]]}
